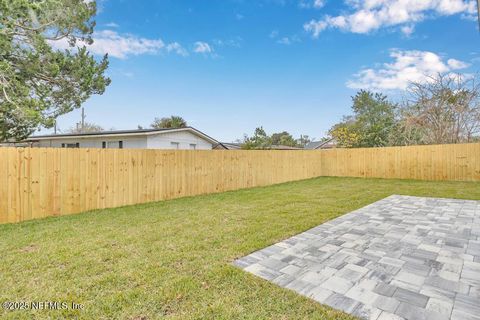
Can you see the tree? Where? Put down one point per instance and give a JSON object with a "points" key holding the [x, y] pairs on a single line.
{"points": [[171, 122], [303, 140], [87, 128], [444, 109], [374, 117], [260, 140], [37, 82], [345, 133], [371, 125], [284, 139]]}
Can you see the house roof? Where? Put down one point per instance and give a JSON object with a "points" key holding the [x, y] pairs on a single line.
{"points": [[237, 146], [230, 145], [120, 133], [314, 145], [282, 147]]}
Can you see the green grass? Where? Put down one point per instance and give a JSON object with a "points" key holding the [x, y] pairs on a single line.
{"points": [[173, 259]]}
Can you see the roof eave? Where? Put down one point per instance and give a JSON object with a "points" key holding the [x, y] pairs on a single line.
{"points": [[147, 133]]}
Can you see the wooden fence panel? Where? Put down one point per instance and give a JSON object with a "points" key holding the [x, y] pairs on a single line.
{"points": [[41, 182]]}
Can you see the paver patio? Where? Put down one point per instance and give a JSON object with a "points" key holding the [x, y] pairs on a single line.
{"points": [[399, 258]]}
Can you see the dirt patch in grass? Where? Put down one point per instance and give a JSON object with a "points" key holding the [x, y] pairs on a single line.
{"points": [[29, 248]]}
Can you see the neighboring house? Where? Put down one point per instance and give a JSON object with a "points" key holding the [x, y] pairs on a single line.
{"points": [[238, 146], [181, 138], [327, 144], [282, 147], [12, 143], [228, 146]]}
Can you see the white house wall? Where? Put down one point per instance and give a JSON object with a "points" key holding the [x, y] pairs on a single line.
{"points": [[155, 141], [184, 138], [91, 142]]}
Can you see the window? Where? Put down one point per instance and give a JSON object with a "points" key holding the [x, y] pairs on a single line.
{"points": [[71, 145], [193, 146], [104, 144], [113, 144], [175, 145]]}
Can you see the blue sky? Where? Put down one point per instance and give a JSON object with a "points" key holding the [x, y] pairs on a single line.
{"points": [[228, 66]]}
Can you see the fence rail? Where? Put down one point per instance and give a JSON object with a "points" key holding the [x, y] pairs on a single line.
{"points": [[42, 182]]}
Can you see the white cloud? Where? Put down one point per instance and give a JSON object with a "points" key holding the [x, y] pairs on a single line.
{"points": [[370, 15], [235, 42], [122, 46], [273, 34], [202, 47], [315, 27], [285, 40], [177, 48], [317, 4], [407, 30], [407, 66], [288, 40], [457, 64], [112, 25]]}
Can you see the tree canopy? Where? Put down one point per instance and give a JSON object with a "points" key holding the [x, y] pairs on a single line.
{"points": [[169, 123], [37, 82], [284, 139], [443, 109], [371, 124], [261, 140], [88, 127]]}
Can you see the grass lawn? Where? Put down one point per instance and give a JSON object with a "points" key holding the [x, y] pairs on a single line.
{"points": [[173, 259]]}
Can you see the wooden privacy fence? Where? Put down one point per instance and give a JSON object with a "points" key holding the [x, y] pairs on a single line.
{"points": [[41, 182]]}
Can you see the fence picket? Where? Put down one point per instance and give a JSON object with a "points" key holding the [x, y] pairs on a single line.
{"points": [[36, 183]]}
